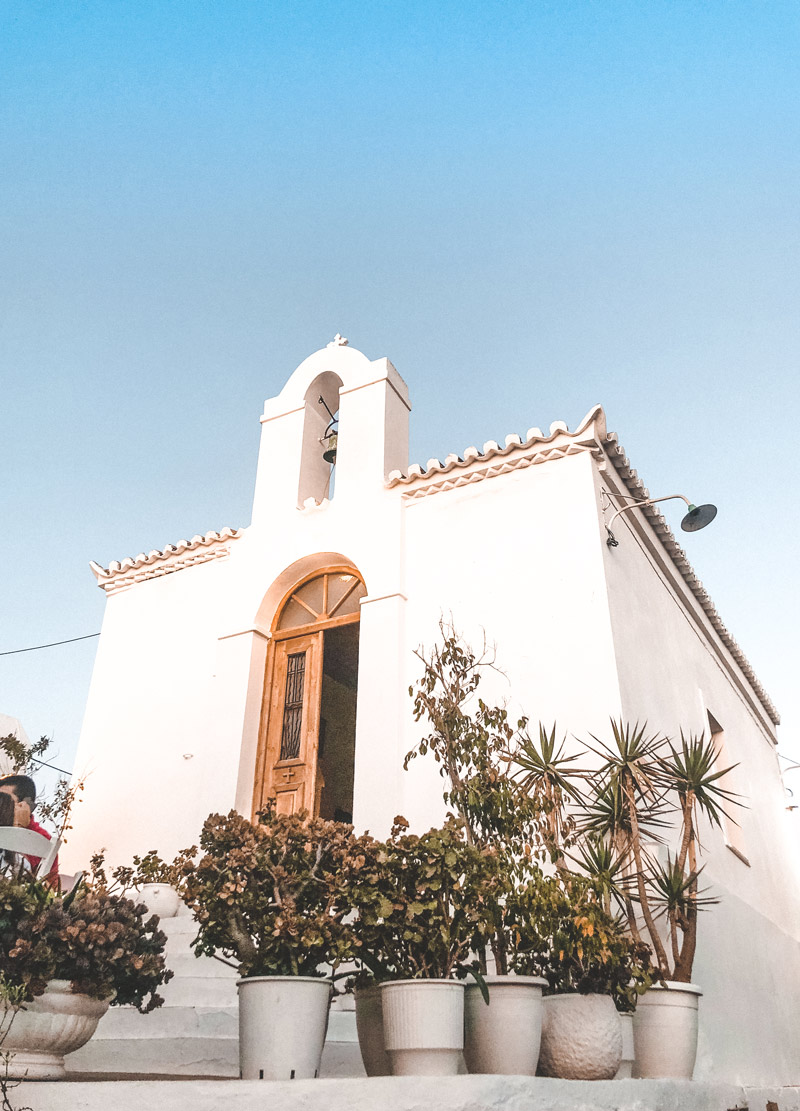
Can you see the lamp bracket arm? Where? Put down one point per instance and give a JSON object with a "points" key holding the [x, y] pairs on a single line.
{"points": [[644, 504]]}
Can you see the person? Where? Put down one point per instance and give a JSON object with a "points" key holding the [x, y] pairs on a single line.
{"points": [[8, 859], [22, 791], [7, 810]]}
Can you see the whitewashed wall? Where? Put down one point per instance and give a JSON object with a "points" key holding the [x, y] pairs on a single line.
{"points": [[673, 670]]}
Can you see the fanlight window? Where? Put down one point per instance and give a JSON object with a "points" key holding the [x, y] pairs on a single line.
{"points": [[334, 594]]}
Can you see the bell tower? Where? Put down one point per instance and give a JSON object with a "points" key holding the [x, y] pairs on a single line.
{"points": [[370, 404]]}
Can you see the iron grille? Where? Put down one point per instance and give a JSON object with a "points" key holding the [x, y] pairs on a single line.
{"points": [[293, 707]]}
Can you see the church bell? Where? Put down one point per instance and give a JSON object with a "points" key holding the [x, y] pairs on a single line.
{"points": [[331, 436], [329, 455]]}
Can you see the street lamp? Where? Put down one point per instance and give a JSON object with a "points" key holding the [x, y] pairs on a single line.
{"points": [[697, 516]]}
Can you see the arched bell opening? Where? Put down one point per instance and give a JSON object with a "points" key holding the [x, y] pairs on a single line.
{"points": [[306, 755], [320, 434]]}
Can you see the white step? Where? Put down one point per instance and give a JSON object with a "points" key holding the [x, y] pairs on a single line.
{"points": [[122, 1023], [199, 991], [184, 1056], [403, 1093]]}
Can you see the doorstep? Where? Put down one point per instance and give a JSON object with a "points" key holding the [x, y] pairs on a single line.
{"points": [[408, 1093]]}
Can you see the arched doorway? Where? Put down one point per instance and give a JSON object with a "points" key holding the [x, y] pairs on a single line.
{"points": [[306, 752]]}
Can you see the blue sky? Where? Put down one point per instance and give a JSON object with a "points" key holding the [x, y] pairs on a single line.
{"points": [[529, 207]]}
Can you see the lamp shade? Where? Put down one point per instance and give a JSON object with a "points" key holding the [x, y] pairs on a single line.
{"points": [[698, 517]]}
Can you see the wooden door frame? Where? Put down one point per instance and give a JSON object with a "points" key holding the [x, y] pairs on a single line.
{"points": [[272, 701]]}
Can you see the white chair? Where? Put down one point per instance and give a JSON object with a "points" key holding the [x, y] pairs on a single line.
{"points": [[30, 843]]}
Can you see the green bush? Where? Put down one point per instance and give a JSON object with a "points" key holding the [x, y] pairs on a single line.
{"points": [[423, 903], [561, 931], [274, 896], [104, 944]]}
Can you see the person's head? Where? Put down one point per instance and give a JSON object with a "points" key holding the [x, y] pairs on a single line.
{"points": [[7, 809], [20, 787], [22, 791]]}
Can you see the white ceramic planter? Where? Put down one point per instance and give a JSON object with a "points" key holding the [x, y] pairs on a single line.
{"points": [[159, 898], [369, 1024], [665, 1031], [581, 1037], [503, 1036], [54, 1024], [423, 1024], [282, 1024], [625, 1070]]}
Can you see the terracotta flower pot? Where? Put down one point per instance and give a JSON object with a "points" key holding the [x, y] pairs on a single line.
{"points": [[54, 1024]]}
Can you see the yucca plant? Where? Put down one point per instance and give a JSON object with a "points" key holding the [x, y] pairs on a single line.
{"points": [[689, 772], [546, 772], [647, 787]]}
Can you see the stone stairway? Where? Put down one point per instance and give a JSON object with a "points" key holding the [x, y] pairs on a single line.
{"points": [[196, 1032]]}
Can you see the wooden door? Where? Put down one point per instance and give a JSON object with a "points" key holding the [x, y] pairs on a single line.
{"points": [[290, 766]]}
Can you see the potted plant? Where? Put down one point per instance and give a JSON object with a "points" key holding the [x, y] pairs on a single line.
{"points": [[271, 898], [479, 750], [64, 960], [158, 883], [648, 789], [369, 1023], [592, 969], [420, 903]]}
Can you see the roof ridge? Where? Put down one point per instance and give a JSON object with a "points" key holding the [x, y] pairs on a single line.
{"points": [[125, 568], [491, 449]]}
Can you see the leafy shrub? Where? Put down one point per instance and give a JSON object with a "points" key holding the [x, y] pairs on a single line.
{"points": [[274, 896], [108, 947], [27, 961], [102, 943], [422, 903], [562, 932], [151, 868]]}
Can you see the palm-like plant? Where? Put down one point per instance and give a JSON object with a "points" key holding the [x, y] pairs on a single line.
{"points": [[643, 784], [547, 773], [689, 771]]}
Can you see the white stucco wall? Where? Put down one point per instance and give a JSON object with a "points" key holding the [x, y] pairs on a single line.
{"points": [[673, 669], [516, 557]]}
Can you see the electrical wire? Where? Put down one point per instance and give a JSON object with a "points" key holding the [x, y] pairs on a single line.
{"points": [[54, 644]]}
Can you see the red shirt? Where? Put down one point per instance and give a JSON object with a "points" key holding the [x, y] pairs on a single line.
{"points": [[35, 861]]}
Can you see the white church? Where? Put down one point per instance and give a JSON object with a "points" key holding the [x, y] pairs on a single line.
{"points": [[275, 660]]}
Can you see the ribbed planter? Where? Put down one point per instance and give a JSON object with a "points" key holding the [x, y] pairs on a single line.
{"points": [[581, 1037], [423, 1023], [282, 1025], [625, 1070], [369, 1024], [159, 898], [665, 1031], [54, 1024], [503, 1036]]}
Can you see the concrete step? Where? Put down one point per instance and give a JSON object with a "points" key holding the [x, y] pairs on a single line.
{"points": [[402, 1093], [183, 925], [200, 991], [182, 1056], [125, 1023], [183, 962]]}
